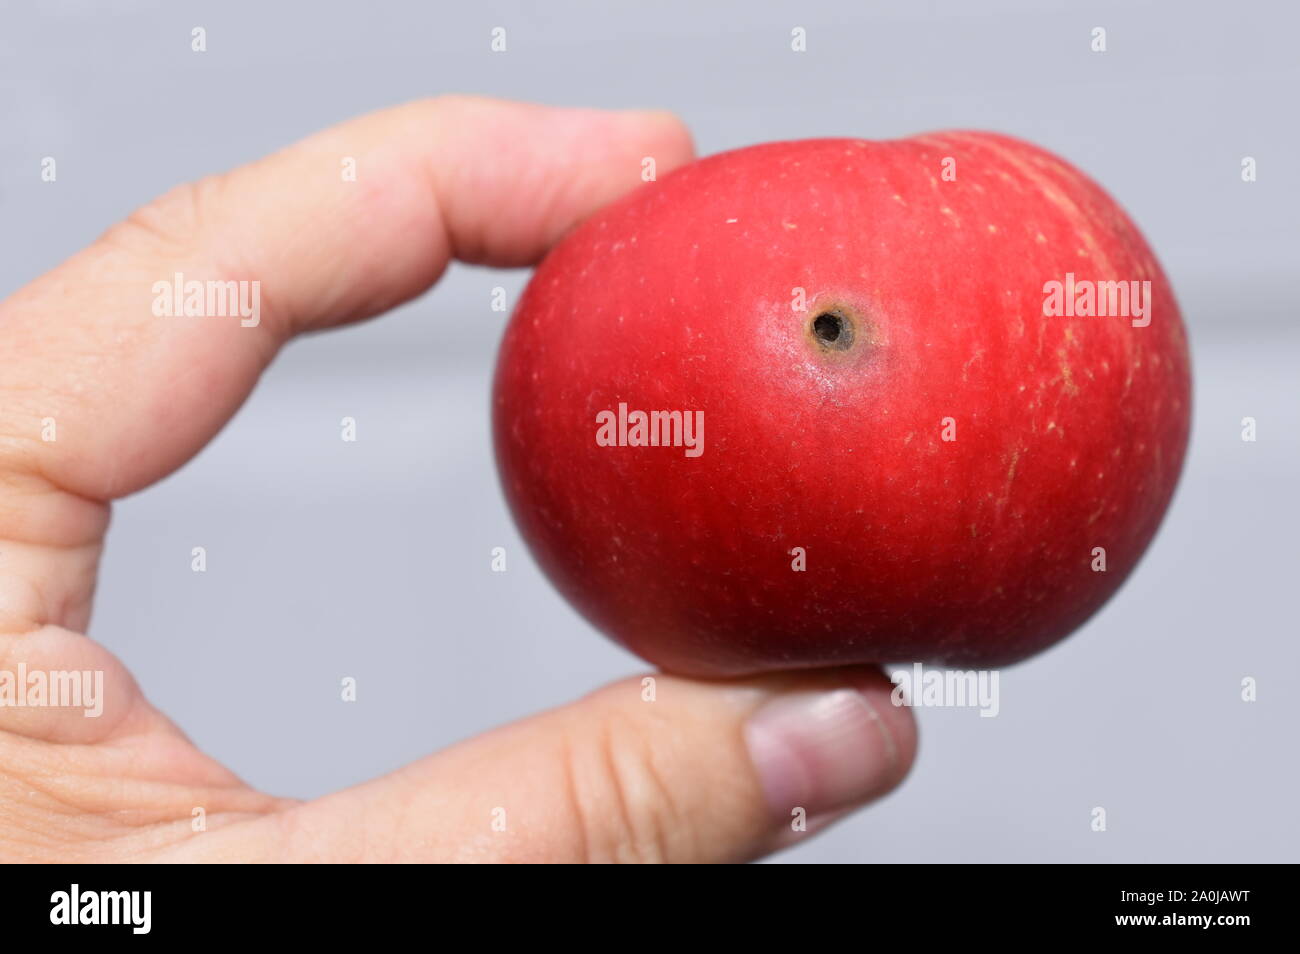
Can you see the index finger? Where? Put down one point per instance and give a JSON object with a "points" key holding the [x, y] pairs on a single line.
{"points": [[482, 180]]}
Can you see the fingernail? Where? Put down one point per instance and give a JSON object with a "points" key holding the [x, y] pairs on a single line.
{"points": [[821, 751]]}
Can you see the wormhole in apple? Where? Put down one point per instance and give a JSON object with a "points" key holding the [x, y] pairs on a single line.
{"points": [[833, 330]]}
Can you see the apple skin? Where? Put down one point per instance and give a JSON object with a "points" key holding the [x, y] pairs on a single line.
{"points": [[975, 552]]}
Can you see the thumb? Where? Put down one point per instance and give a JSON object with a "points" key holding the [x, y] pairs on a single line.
{"points": [[652, 769]]}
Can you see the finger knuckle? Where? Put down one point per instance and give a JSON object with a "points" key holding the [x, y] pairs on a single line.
{"points": [[623, 801], [169, 226]]}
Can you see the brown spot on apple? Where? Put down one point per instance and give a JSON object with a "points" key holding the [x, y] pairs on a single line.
{"points": [[838, 329]]}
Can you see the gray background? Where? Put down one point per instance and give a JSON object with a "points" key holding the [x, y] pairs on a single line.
{"points": [[371, 559]]}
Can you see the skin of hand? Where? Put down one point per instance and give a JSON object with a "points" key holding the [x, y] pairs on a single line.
{"points": [[706, 772]]}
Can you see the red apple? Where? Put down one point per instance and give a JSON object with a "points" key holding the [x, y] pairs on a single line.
{"points": [[918, 443]]}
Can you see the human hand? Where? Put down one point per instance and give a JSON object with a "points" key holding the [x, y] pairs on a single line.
{"points": [[704, 772]]}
